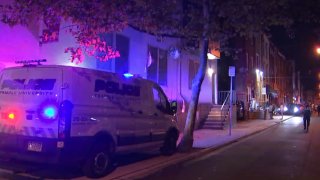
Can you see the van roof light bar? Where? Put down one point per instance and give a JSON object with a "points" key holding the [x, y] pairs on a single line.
{"points": [[30, 62]]}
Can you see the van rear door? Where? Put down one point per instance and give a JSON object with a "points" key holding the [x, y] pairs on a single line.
{"points": [[29, 99]]}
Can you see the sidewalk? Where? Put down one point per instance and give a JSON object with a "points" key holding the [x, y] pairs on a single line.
{"points": [[205, 141], [206, 138]]}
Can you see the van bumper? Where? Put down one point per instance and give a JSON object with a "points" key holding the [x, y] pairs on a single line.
{"points": [[48, 150]]}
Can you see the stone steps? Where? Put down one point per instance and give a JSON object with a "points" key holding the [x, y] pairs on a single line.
{"points": [[215, 118]]}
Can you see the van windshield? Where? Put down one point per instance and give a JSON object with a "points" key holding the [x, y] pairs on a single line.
{"points": [[160, 99]]}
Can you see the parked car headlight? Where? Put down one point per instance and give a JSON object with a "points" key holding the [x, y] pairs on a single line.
{"points": [[295, 109], [285, 108]]}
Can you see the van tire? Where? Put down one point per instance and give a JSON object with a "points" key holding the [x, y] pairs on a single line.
{"points": [[170, 143], [99, 162]]}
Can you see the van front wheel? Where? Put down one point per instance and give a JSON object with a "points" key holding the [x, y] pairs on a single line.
{"points": [[170, 143], [99, 162]]}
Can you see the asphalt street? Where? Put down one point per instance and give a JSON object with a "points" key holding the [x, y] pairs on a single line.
{"points": [[282, 152], [283, 146]]}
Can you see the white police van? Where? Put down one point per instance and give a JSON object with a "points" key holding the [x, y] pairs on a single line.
{"points": [[63, 114]]}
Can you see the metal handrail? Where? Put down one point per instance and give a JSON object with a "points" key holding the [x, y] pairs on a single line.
{"points": [[224, 102]]}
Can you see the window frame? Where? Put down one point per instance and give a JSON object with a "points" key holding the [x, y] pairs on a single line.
{"points": [[111, 64], [161, 75]]}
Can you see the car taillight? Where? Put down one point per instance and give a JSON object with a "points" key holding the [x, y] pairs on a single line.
{"points": [[11, 116]]}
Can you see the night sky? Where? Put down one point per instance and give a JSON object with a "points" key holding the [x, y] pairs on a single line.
{"points": [[300, 48]]}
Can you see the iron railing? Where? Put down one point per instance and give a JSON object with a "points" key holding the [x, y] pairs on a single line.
{"points": [[223, 113]]}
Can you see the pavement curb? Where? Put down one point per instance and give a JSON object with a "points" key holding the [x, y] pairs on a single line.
{"points": [[187, 156]]}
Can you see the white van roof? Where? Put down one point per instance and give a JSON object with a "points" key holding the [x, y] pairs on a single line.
{"points": [[137, 77]]}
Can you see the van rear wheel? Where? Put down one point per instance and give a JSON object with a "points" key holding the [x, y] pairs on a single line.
{"points": [[170, 143], [99, 163]]}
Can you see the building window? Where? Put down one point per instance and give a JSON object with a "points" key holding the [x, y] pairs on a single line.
{"points": [[262, 50], [193, 67], [122, 62], [119, 64], [107, 65], [258, 61], [157, 65], [251, 62], [247, 61]]}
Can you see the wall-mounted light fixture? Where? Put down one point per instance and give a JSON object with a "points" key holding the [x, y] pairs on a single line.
{"points": [[211, 56], [210, 71]]}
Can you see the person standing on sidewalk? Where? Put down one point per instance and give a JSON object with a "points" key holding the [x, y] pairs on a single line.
{"points": [[271, 110], [306, 117], [281, 110]]}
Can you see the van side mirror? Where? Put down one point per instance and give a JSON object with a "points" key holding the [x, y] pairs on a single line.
{"points": [[174, 106]]}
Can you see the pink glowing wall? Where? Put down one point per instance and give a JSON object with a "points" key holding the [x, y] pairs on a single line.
{"points": [[17, 43], [22, 43]]}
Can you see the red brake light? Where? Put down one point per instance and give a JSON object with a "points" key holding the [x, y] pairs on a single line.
{"points": [[11, 116]]}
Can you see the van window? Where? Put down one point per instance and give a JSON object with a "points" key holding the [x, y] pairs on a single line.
{"points": [[160, 100], [28, 84]]}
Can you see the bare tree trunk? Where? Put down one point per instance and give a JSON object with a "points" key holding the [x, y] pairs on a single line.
{"points": [[187, 139]]}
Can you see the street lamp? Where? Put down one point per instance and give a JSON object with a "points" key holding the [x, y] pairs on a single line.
{"points": [[210, 71], [260, 95], [318, 50], [258, 74]]}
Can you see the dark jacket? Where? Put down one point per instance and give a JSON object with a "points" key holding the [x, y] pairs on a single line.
{"points": [[307, 113]]}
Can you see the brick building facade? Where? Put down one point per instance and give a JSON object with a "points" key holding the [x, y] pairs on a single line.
{"points": [[264, 75]]}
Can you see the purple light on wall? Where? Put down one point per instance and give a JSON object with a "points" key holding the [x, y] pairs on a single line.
{"points": [[17, 43]]}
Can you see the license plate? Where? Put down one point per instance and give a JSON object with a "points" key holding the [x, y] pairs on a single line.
{"points": [[35, 146]]}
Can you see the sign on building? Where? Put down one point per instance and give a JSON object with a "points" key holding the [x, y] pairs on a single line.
{"points": [[264, 91], [232, 71]]}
